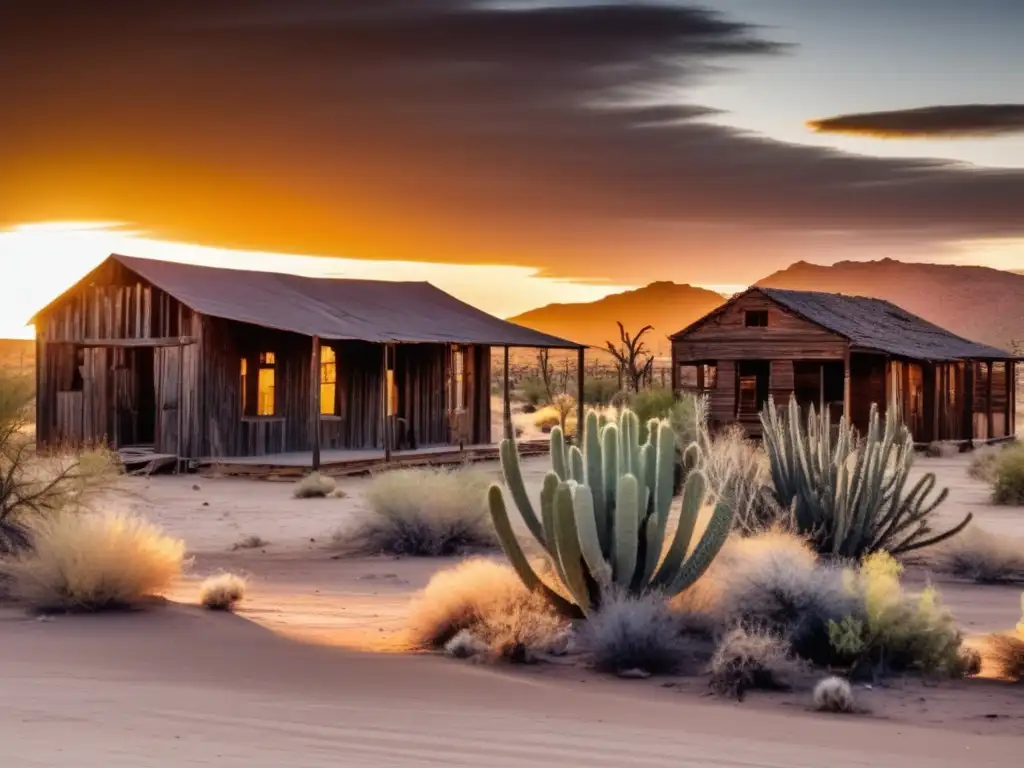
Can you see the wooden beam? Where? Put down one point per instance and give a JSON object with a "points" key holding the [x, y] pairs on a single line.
{"points": [[990, 428], [507, 403], [385, 420], [967, 408], [1011, 397], [846, 386], [181, 407], [314, 399], [170, 341], [580, 381]]}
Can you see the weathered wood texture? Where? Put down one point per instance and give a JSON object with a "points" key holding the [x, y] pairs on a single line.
{"points": [[724, 336], [121, 394]]}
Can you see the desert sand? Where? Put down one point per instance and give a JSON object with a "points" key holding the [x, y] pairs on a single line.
{"points": [[312, 670]]}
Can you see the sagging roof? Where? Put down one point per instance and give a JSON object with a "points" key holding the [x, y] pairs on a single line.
{"points": [[878, 325], [335, 309]]}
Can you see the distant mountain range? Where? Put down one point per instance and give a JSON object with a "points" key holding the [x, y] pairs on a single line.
{"points": [[667, 306], [979, 303]]}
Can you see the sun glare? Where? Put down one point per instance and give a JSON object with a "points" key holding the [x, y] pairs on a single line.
{"points": [[46, 258]]}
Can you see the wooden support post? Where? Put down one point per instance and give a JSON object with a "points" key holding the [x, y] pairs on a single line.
{"points": [[989, 427], [507, 404], [580, 380], [314, 400], [181, 407], [1011, 395], [967, 408], [846, 385], [385, 401], [821, 388]]}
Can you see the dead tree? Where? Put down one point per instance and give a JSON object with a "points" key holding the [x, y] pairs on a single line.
{"points": [[632, 355], [547, 373]]}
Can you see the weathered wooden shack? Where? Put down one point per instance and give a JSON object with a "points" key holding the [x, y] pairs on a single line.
{"points": [[844, 353], [197, 361]]}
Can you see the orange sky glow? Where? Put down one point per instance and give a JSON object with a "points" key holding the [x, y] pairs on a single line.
{"points": [[50, 257]]}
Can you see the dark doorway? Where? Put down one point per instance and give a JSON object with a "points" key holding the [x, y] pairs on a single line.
{"points": [[135, 397], [820, 384], [752, 387]]}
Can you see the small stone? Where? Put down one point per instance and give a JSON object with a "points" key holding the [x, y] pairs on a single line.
{"points": [[196, 488]]}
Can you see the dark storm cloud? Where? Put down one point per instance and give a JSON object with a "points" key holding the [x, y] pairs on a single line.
{"points": [[447, 129], [949, 121]]}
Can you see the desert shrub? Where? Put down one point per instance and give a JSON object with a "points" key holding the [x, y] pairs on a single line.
{"points": [[598, 391], [222, 592], [634, 632], [488, 600], [774, 580], [656, 403], [1005, 654], [751, 659], [896, 632], [560, 413], [834, 694], [428, 512], [688, 418], [981, 556], [315, 486], [850, 494], [983, 463], [92, 561], [532, 392], [465, 645], [1008, 477], [737, 471]]}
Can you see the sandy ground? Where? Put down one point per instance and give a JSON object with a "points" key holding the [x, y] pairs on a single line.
{"points": [[291, 681]]}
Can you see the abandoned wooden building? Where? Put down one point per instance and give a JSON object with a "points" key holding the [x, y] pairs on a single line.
{"points": [[844, 353], [201, 362]]}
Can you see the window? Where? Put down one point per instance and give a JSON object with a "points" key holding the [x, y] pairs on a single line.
{"points": [[698, 377], [752, 387], [688, 376], [328, 381], [456, 399], [757, 318], [258, 395], [710, 371]]}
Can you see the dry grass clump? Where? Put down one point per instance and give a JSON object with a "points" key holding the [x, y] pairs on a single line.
{"points": [[1008, 476], [87, 561], [222, 592], [1005, 654], [427, 512], [940, 450], [315, 486], [562, 413], [774, 580], [834, 694], [635, 633], [751, 659], [982, 557], [487, 600], [983, 463]]}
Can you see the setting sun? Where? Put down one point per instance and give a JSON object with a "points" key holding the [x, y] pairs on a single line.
{"points": [[47, 258]]}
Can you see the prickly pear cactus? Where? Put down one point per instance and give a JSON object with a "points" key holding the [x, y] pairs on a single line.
{"points": [[604, 514]]}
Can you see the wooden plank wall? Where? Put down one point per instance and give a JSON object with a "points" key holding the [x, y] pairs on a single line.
{"points": [[782, 382], [419, 371], [114, 304], [787, 337], [867, 386], [476, 381]]}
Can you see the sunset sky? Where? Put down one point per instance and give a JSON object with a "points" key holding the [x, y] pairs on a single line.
{"points": [[542, 151]]}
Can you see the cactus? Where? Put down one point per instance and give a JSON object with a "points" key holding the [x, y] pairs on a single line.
{"points": [[604, 516], [848, 493]]}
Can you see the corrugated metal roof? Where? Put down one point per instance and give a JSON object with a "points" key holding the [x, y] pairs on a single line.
{"points": [[875, 324], [336, 309]]}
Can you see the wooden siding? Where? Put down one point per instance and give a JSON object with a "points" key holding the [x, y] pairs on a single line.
{"points": [[724, 336], [122, 394]]}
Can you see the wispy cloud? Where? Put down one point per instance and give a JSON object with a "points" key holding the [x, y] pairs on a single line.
{"points": [[546, 134], [948, 121]]}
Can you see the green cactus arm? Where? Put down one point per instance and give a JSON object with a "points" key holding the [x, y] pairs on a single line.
{"points": [[595, 478], [517, 558], [576, 465], [558, 462], [627, 531], [590, 542], [664, 476], [610, 456], [567, 543], [547, 509], [693, 497], [706, 551], [513, 474]]}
